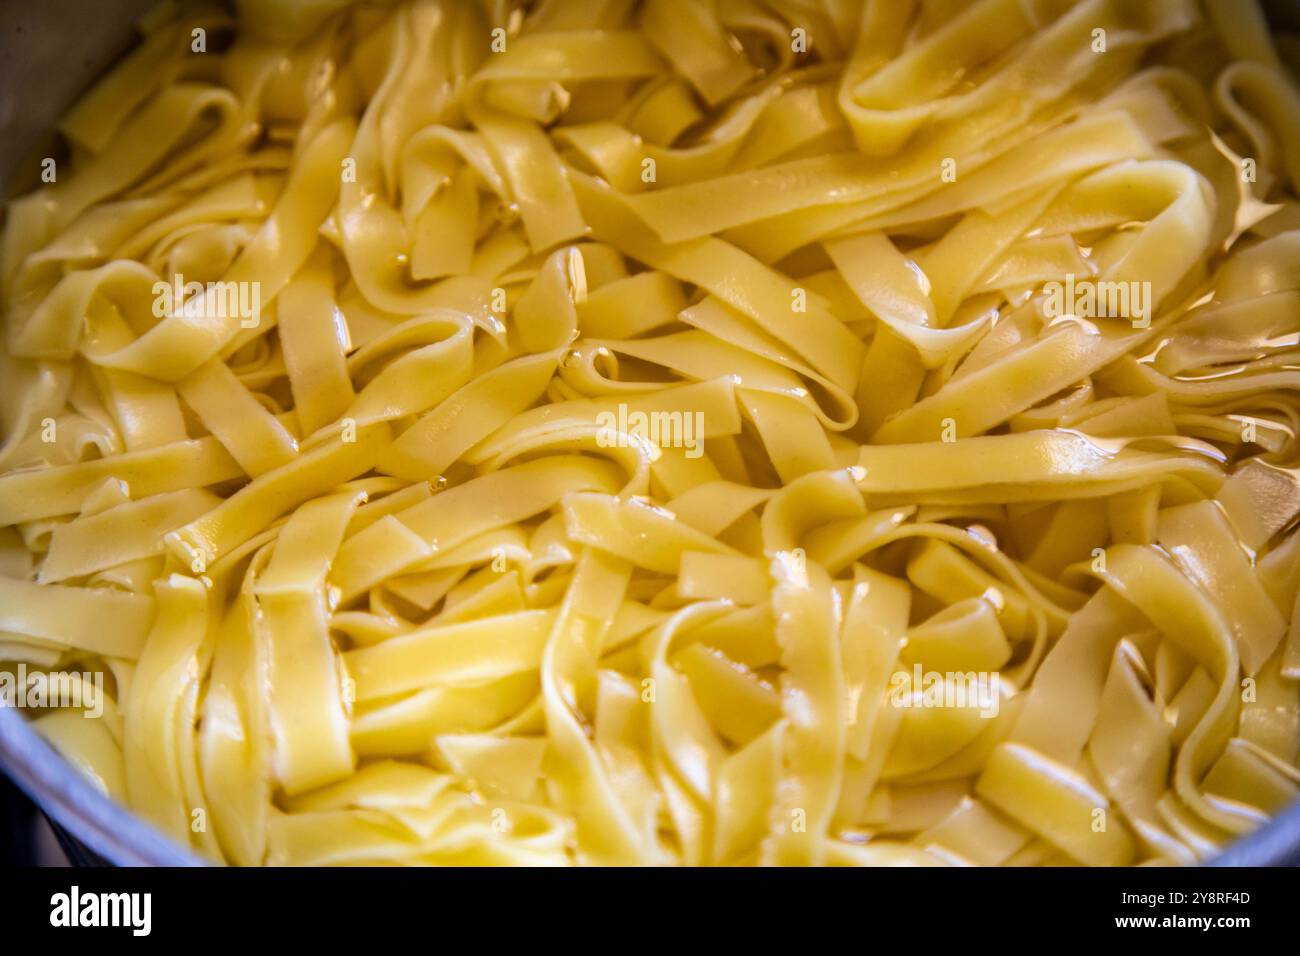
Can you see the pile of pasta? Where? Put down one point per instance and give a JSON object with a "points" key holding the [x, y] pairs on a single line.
{"points": [[657, 443]]}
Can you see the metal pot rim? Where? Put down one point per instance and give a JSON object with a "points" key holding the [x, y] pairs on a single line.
{"points": [[74, 803], [119, 836]]}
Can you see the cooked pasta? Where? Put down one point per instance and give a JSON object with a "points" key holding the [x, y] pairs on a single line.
{"points": [[704, 432]]}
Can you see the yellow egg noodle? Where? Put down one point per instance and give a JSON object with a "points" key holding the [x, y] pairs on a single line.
{"points": [[701, 432]]}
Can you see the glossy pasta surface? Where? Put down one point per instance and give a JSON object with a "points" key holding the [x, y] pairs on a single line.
{"points": [[701, 432]]}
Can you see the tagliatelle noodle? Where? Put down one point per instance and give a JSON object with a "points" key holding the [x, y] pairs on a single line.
{"points": [[711, 433]]}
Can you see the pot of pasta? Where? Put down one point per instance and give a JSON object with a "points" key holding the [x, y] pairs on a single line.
{"points": [[653, 432]]}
